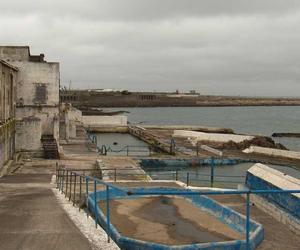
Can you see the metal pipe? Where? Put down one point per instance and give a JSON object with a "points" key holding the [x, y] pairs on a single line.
{"points": [[187, 178], [248, 221], [107, 214], [130, 192], [70, 196], [67, 183], [80, 190], [57, 176], [62, 182], [87, 194], [74, 191], [95, 203], [212, 170]]}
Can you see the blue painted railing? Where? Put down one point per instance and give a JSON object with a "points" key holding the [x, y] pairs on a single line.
{"points": [[65, 175]]}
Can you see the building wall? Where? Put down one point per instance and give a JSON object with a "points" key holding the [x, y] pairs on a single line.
{"points": [[28, 134], [37, 94], [8, 78], [70, 118]]}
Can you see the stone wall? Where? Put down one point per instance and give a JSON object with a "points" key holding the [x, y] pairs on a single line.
{"points": [[118, 120]]}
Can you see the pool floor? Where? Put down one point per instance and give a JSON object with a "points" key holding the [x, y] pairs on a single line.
{"points": [[167, 220]]}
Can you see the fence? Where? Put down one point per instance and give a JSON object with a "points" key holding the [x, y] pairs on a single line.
{"points": [[188, 177], [128, 150], [78, 188]]}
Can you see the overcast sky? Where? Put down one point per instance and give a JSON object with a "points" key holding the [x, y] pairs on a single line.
{"points": [[239, 47]]}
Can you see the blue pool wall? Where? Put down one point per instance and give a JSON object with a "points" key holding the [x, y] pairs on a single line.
{"points": [[230, 217], [188, 162], [286, 202]]}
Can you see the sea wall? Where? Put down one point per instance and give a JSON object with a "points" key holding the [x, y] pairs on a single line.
{"points": [[273, 152], [200, 136]]}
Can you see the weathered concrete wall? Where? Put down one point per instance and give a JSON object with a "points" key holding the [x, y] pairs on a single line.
{"points": [[49, 117], [200, 136], [8, 79], [7, 142], [37, 91], [104, 120], [28, 134], [273, 152], [70, 119]]}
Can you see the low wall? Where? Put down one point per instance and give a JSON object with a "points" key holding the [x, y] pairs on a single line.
{"points": [[187, 162], [273, 152], [104, 120], [227, 215], [262, 177], [200, 136]]}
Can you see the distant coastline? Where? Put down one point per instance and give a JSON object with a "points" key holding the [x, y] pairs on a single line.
{"points": [[96, 98]]}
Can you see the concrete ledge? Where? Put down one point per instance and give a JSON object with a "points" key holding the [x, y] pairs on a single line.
{"points": [[273, 152], [120, 120], [262, 177], [107, 129]]}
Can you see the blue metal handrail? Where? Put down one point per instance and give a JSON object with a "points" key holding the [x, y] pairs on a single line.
{"points": [[131, 192]]}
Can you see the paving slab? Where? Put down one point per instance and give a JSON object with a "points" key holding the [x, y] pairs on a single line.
{"points": [[31, 217]]}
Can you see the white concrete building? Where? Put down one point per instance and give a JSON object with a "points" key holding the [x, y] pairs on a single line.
{"points": [[37, 99]]}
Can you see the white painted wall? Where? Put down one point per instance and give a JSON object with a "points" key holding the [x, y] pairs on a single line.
{"points": [[275, 177], [119, 120], [201, 136], [273, 152]]}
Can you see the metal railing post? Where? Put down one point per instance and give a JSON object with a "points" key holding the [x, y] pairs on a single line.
{"points": [[107, 214], [67, 183], [70, 193], [74, 191], [197, 148], [63, 182], [80, 190], [87, 194], [115, 175], [95, 203], [187, 178], [212, 171], [176, 175], [127, 148], [58, 179], [57, 176], [248, 221]]}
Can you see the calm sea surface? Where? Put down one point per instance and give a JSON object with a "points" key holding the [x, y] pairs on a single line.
{"points": [[248, 120]]}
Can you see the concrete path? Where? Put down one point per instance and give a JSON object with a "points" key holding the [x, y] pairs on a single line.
{"points": [[31, 218], [277, 235]]}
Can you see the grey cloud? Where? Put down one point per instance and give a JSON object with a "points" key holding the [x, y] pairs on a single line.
{"points": [[219, 47], [147, 9]]}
